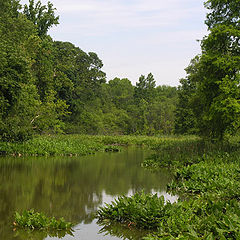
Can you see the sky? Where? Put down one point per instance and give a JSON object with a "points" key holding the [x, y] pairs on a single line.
{"points": [[134, 37]]}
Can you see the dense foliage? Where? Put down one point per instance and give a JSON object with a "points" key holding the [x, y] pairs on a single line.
{"points": [[194, 219], [50, 86], [209, 99]]}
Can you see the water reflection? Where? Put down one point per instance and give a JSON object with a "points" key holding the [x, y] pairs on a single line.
{"points": [[72, 188]]}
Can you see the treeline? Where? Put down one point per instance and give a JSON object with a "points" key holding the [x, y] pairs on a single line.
{"points": [[49, 86]]}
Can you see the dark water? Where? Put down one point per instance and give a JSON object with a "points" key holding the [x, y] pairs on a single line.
{"points": [[74, 188]]}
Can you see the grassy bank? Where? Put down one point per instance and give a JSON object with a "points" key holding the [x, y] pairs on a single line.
{"points": [[80, 144], [206, 179]]}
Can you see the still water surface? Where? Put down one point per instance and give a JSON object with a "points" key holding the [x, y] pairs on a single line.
{"points": [[74, 188]]}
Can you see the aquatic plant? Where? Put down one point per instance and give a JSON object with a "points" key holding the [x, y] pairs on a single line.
{"points": [[141, 210], [201, 218], [206, 174], [38, 221], [205, 178], [189, 151], [70, 145]]}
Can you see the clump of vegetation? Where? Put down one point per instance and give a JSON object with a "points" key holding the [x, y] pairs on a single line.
{"points": [[188, 151], [141, 210], [200, 167], [38, 221], [76, 144], [206, 178], [201, 218], [68, 145]]}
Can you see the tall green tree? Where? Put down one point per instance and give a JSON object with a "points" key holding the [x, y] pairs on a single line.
{"points": [[144, 93], [162, 111], [214, 98], [52, 108], [43, 16], [78, 77], [27, 96], [145, 88], [188, 105], [220, 66], [19, 98]]}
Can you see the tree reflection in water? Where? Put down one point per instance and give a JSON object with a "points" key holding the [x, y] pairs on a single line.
{"points": [[72, 188]]}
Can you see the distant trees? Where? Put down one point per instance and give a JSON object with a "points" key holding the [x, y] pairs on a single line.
{"points": [[188, 105], [145, 88], [50, 86], [155, 107], [78, 78]]}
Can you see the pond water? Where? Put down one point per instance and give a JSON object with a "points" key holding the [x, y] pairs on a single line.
{"points": [[74, 188]]}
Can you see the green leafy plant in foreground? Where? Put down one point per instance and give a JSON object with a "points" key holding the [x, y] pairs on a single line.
{"points": [[38, 221], [141, 210], [207, 175], [201, 218]]}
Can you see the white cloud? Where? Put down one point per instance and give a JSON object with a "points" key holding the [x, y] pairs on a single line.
{"points": [[134, 37], [142, 13], [138, 13]]}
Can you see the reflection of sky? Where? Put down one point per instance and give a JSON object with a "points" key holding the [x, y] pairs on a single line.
{"points": [[74, 188], [108, 198], [91, 231], [134, 37]]}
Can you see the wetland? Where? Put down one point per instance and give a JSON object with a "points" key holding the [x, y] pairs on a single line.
{"points": [[74, 188]]}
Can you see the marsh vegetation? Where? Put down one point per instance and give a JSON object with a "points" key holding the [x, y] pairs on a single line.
{"points": [[206, 179]]}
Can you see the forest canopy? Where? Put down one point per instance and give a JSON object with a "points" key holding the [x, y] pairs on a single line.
{"points": [[49, 86]]}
